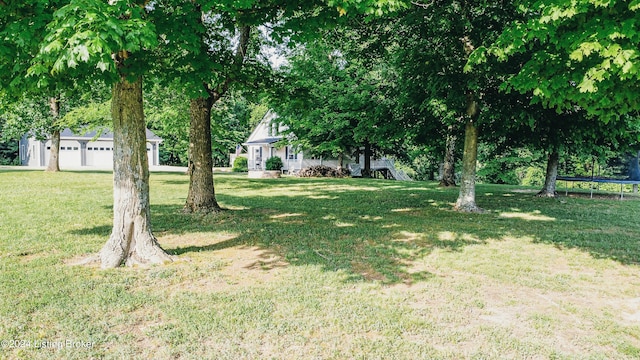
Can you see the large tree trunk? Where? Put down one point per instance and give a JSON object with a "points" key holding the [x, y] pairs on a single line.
{"points": [[549, 188], [467, 197], [448, 169], [54, 153], [131, 240], [201, 197]]}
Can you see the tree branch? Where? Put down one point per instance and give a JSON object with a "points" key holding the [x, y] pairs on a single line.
{"points": [[424, 6], [238, 60]]}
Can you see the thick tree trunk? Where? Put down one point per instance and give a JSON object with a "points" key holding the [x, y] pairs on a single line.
{"points": [[448, 169], [549, 188], [131, 240], [54, 153], [467, 197], [201, 197]]}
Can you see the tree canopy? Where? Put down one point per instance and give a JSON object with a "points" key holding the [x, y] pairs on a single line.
{"points": [[582, 53]]}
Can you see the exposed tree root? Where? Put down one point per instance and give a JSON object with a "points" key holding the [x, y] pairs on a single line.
{"points": [[144, 250], [447, 184], [205, 209], [468, 208], [547, 194]]}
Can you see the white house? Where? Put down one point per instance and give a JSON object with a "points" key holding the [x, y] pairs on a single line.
{"points": [[84, 150], [267, 140]]}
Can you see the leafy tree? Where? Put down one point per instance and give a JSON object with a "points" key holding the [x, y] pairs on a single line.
{"points": [[332, 95], [583, 53], [231, 125], [168, 116], [22, 26], [435, 41], [8, 146], [94, 39]]}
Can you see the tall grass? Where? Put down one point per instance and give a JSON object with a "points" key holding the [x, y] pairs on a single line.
{"points": [[320, 268]]}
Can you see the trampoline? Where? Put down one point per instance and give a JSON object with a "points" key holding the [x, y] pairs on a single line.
{"points": [[596, 180]]}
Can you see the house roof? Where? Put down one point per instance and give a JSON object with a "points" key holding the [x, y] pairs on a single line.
{"points": [[265, 141], [105, 135], [266, 133]]}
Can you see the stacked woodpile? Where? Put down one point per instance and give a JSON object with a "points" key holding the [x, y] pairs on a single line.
{"points": [[324, 171]]}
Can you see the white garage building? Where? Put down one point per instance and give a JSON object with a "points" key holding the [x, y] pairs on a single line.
{"points": [[84, 150]]}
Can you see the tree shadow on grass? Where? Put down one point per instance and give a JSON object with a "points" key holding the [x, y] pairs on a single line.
{"points": [[604, 228], [366, 235], [102, 230], [382, 235]]}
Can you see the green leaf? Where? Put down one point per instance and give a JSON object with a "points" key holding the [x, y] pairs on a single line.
{"points": [[83, 53]]}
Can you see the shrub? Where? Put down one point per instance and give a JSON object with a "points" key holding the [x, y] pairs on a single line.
{"points": [[240, 164], [531, 176], [273, 163]]}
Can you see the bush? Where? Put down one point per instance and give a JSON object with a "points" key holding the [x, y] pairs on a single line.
{"points": [[531, 176], [240, 164], [273, 163]]}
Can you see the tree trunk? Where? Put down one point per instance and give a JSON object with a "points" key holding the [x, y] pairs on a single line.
{"points": [[448, 169], [54, 158], [131, 240], [54, 153], [201, 197], [549, 188], [467, 197], [634, 167], [366, 172]]}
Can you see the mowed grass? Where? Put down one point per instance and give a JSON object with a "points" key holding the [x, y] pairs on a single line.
{"points": [[320, 269]]}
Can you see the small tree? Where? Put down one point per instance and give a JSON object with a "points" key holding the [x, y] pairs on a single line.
{"points": [[273, 163]]}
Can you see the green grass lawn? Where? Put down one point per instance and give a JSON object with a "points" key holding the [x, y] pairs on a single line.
{"points": [[320, 269]]}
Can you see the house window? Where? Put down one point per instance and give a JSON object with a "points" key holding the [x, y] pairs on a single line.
{"points": [[48, 147], [101, 149], [75, 148], [23, 152], [63, 148], [291, 154]]}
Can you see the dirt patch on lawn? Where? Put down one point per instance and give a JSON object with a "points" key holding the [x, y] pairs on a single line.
{"points": [[216, 262]]}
